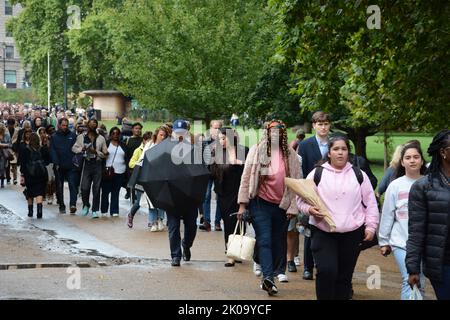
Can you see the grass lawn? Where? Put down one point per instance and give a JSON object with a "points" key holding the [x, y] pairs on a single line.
{"points": [[374, 144]]}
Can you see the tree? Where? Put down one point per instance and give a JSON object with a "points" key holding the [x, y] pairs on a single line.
{"points": [[370, 80], [198, 59], [41, 28]]}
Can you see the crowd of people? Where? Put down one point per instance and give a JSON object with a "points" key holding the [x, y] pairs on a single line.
{"points": [[49, 147]]}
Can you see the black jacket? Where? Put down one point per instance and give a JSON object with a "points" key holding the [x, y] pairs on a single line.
{"points": [[61, 148], [428, 226], [310, 152]]}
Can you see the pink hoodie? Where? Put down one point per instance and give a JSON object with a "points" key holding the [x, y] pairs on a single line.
{"points": [[341, 193]]}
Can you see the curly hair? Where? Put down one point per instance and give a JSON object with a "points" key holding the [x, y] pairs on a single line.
{"points": [[266, 146]]}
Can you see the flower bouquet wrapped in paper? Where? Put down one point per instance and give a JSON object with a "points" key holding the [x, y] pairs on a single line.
{"points": [[306, 189]]}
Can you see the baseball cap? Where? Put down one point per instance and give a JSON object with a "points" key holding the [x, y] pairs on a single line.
{"points": [[180, 126]]}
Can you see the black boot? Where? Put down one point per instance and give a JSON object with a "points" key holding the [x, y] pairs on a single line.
{"points": [[30, 211], [39, 211]]}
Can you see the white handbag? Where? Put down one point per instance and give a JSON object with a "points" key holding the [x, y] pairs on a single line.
{"points": [[240, 246]]}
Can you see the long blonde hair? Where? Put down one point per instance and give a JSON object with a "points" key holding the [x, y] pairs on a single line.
{"points": [[395, 161]]}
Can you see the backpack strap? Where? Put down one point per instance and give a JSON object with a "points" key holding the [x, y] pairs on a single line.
{"points": [[318, 175], [358, 174]]}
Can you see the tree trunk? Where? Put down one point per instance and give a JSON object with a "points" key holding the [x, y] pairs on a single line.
{"points": [[386, 150], [358, 137]]}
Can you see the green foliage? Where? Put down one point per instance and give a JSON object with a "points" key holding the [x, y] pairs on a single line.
{"points": [[391, 78], [18, 96], [198, 59]]}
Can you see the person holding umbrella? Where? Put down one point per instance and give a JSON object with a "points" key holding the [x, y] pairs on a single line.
{"points": [[175, 180]]}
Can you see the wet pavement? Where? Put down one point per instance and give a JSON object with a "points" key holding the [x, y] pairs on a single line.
{"points": [[37, 260]]}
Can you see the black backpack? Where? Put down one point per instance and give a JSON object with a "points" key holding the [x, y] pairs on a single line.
{"points": [[36, 166]]}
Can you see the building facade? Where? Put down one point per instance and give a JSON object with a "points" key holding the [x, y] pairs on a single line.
{"points": [[12, 75]]}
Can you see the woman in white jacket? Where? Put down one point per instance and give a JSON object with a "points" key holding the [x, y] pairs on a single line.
{"points": [[393, 232]]}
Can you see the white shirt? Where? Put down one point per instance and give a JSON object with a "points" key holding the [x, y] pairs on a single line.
{"points": [[119, 161], [394, 219]]}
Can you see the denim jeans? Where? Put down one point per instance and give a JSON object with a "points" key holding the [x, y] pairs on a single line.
{"points": [[207, 205], [442, 289], [189, 216], [92, 175], [71, 175], [136, 203], [400, 256], [270, 225], [112, 187], [155, 214]]}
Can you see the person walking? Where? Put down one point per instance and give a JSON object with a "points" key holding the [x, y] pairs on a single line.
{"points": [[428, 226], [51, 184], [311, 151], [182, 248], [132, 143], [227, 172], [353, 207], [12, 164], [156, 215], [393, 232], [61, 154], [113, 174], [33, 161], [5, 150], [270, 203], [94, 148], [211, 141], [136, 160]]}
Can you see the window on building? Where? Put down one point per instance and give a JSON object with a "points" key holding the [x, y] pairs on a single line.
{"points": [[9, 52], [10, 78], [8, 8]]}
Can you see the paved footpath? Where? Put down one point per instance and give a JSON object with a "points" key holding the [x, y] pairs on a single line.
{"points": [[120, 263]]}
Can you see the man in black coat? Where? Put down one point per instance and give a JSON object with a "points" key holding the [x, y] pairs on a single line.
{"points": [[61, 156], [312, 150]]}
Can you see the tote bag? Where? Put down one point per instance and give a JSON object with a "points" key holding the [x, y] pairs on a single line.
{"points": [[240, 246]]}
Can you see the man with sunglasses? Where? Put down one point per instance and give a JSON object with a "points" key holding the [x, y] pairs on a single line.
{"points": [[312, 150]]}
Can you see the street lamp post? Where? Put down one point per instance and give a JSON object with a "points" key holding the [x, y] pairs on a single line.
{"points": [[4, 64], [65, 65]]}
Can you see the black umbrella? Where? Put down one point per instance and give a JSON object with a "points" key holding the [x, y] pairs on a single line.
{"points": [[172, 177]]}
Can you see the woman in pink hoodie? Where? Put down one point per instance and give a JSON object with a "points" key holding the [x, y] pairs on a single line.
{"points": [[353, 208]]}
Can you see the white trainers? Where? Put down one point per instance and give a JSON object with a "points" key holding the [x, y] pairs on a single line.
{"points": [[297, 260], [282, 277], [257, 269], [50, 200], [161, 226], [115, 215], [154, 228]]}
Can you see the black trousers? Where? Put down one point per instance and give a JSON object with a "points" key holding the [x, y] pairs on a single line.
{"points": [[189, 216], [335, 255]]}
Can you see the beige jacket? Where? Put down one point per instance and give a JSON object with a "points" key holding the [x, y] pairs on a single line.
{"points": [[250, 180], [100, 146]]}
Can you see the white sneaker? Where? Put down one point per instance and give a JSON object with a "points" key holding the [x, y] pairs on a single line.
{"points": [[161, 226], [154, 228], [257, 269], [115, 215], [50, 200], [282, 277], [297, 260]]}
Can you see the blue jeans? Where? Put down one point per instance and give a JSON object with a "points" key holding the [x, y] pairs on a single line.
{"points": [[72, 177], [111, 187], [136, 203], [442, 289], [190, 229], [207, 206], [270, 224], [400, 255], [155, 214]]}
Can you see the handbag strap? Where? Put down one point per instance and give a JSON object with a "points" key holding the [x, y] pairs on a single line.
{"points": [[241, 227], [114, 158]]}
